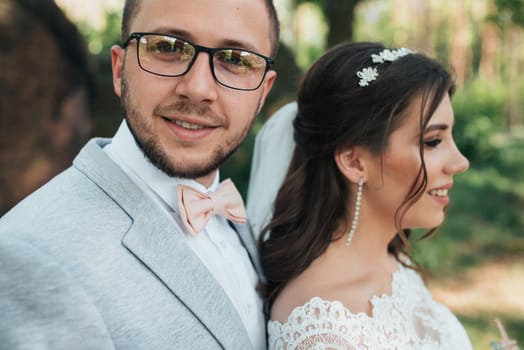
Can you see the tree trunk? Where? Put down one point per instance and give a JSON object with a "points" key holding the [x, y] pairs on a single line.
{"points": [[461, 42], [488, 54], [514, 84], [340, 15]]}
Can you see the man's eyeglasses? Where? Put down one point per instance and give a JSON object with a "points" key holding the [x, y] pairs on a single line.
{"points": [[169, 56]]}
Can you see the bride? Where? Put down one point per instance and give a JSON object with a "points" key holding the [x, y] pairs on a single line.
{"points": [[374, 158]]}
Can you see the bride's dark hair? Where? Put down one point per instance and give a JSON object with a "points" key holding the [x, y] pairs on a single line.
{"points": [[334, 113]]}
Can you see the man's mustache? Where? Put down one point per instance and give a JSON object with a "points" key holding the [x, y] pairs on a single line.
{"points": [[188, 108]]}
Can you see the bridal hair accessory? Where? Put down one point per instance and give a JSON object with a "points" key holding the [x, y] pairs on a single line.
{"points": [[357, 211], [369, 74]]}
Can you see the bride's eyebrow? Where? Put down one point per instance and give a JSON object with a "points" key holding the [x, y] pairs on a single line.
{"points": [[436, 127]]}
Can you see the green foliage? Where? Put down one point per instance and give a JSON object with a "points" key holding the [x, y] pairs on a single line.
{"points": [[101, 40], [485, 221], [377, 27], [509, 12], [479, 111], [307, 54], [320, 3], [239, 165]]}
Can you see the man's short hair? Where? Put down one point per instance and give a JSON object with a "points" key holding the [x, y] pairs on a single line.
{"points": [[131, 8]]}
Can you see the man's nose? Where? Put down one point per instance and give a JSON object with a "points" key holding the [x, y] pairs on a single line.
{"points": [[198, 84]]}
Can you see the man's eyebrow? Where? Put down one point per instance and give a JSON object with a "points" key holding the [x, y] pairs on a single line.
{"points": [[239, 44], [182, 34], [227, 43]]}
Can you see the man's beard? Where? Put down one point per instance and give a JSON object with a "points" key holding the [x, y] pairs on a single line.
{"points": [[150, 146]]}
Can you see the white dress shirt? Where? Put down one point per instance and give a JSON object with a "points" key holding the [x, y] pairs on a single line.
{"points": [[218, 245]]}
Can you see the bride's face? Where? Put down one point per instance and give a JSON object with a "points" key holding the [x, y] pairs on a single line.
{"points": [[390, 183]]}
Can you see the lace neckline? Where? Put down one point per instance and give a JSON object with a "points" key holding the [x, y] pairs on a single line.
{"points": [[407, 318], [375, 300]]}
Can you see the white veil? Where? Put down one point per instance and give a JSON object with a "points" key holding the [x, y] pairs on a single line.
{"points": [[274, 146]]}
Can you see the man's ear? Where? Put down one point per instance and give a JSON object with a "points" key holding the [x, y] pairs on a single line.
{"points": [[267, 84], [117, 63], [352, 163]]}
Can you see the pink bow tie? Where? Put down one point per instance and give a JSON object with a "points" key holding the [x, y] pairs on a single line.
{"points": [[196, 207]]}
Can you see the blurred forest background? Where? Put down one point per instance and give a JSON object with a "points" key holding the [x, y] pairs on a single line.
{"points": [[476, 262]]}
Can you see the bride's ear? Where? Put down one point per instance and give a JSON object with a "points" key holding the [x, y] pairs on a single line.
{"points": [[352, 163]]}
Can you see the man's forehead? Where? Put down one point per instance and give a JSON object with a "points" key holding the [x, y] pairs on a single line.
{"points": [[215, 23]]}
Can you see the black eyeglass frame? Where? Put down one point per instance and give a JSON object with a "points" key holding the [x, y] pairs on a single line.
{"points": [[198, 48]]}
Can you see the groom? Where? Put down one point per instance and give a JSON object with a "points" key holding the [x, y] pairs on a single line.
{"points": [[123, 250]]}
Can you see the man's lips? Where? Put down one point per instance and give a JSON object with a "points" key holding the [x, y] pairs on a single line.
{"points": [[190, 125], [189, 131]]}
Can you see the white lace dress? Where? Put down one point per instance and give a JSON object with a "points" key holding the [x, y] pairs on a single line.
{"points": [[407, 319]]}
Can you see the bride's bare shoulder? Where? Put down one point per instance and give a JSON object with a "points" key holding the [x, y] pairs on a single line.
{"points": [[354, 291], [296, 293], [302, 290]]}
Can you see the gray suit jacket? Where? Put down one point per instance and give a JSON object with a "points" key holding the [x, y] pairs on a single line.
{"points": [[91, 262]]}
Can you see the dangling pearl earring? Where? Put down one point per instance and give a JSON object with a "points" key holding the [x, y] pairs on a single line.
{"points": [[357, 211]]}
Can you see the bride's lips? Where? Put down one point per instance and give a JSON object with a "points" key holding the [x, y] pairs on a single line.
{"points": [[440, 194]]}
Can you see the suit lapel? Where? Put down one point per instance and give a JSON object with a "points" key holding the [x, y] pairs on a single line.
{"points": [[159, 245], [248, 240], [156, 240]]}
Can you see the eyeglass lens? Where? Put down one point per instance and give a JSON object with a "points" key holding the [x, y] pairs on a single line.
{"points": [[169, 56]]}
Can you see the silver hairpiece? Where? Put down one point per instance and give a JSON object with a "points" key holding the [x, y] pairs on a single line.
{"points": [[369, 74]]}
